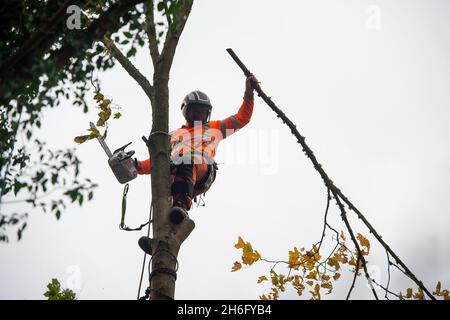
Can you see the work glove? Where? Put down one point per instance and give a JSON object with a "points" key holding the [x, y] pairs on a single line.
{"points": [[137, 164], [249, 82]]}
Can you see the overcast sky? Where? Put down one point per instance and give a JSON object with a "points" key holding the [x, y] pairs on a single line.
{"points": [[366, 82]]}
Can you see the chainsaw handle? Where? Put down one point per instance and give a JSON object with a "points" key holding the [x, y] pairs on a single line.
{"points": [[122, 148], [129, 154]]}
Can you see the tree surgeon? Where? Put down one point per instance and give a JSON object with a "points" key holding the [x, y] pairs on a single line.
{"points": [[194, 145]]}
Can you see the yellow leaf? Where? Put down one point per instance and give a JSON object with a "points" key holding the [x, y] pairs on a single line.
{"points": [[98, 96], [105, 104], [334, 263], [336, 276], [103, 117], [327, 285], [94, 132], [352, 262], [117, 115], [240, 244], [309, 283], [236, 267], [312, 275], [294, 259], [409, 293], [438, 289], [250, 257], [419, 294], [310, 264], [81, 139], [325, 277], [263, 297], [363, 241], [274, 277], [445, 294], [317, 291], [262, 278], [342, 236]]}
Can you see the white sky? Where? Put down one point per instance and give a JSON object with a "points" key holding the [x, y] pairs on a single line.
{"points": [[365, 81]]}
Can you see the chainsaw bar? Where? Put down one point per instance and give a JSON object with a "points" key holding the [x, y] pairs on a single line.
{"points": [[102, 142]]}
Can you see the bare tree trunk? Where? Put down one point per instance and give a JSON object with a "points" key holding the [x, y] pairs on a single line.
{"points": [[167, 238]]}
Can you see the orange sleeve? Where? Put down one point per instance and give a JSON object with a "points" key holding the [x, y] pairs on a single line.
{"points": [[245, 112], [235, 122], [144, 167]]}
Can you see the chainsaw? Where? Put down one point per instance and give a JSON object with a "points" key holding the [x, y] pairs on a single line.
{"points": [[120, 161]]}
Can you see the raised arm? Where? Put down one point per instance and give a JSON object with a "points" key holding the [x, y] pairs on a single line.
{"points": [[235, 122]]}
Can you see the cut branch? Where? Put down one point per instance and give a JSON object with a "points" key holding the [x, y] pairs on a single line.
{"points": [[328, 182], [355, 242]]}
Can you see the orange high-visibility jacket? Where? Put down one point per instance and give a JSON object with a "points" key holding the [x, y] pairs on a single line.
{"points": [[200, 142]]}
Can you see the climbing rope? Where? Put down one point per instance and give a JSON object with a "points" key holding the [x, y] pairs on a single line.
{"points": [[122, 225], [145, 255]]}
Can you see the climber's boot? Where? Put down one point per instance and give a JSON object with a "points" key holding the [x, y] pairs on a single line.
{"points": [[145, 243], [178, 214]]}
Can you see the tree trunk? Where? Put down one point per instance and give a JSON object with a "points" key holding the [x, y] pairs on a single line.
{"points": [[167, 238]]}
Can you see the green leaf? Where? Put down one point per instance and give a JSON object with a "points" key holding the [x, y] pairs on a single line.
{"points": [[54, 178], [131, 52], [160, 6], [55, 292], [17, 186]]}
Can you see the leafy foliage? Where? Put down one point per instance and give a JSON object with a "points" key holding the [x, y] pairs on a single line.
{"points": [[308, 271], [103, 116], [46, 182], [55, 292], [45, 63]]}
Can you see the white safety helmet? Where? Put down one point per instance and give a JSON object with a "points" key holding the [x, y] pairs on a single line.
{"points": [[196, 97]]}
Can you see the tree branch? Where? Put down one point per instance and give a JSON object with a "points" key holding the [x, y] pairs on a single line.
{"points": [[49, 30], [28, 70], [355, 242], [325, 223], [354, 278], [328, 182], [173, 35], [129, 67], [32, 199], [150, 30]]}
